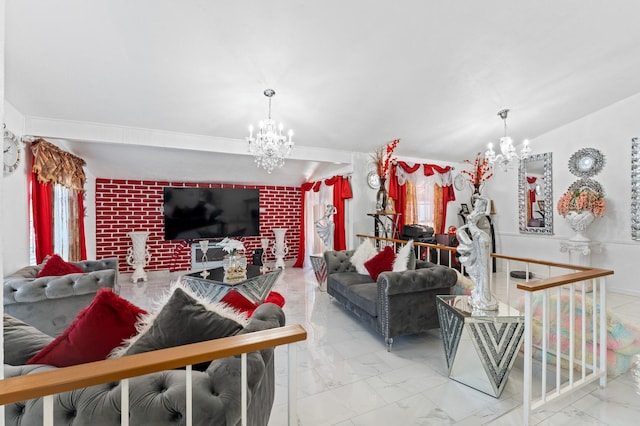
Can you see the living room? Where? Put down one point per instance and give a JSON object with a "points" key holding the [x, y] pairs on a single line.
{"points": [[568, 77]]}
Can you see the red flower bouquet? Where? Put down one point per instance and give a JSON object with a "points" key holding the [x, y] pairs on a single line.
{"points": [[384, 156], [482, 171]]}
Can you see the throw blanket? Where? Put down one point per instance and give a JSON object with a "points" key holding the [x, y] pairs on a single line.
{"points": [[623, 338]]}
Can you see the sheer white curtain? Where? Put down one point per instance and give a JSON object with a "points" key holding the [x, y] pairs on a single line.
{"points": [[315, 205], [424, 202]]}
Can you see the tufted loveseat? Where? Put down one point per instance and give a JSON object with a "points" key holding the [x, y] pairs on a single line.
{"points": [[399, 303], [51, 303], [156, 399]]}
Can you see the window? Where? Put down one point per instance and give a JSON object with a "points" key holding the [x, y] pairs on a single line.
{"points": [[56, 184], [424, 203], [64, 208]]}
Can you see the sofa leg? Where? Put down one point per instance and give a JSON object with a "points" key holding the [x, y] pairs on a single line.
{"points": [[389, 342]]}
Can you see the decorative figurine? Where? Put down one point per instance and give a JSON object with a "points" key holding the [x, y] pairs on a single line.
{"points": [[475, 250], [325, 227]]}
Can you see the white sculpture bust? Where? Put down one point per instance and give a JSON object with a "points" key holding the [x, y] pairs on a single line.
{"points": [[475, 249]]}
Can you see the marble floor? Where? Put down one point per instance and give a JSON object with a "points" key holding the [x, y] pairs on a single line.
{"points": [[346, 377]]}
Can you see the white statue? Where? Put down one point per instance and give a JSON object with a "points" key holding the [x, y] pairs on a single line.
{"points": [[475, 251], [325, 227]]}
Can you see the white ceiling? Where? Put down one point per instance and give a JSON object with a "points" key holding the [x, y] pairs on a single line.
{"points": [[349, 75]]}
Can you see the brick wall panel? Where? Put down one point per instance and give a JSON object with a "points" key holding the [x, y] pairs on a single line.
{"points": [[133, 205]]}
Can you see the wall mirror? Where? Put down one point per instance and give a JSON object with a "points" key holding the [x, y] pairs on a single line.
{"points": [[535, 196]]}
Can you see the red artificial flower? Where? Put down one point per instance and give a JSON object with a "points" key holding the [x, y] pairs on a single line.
{"points": [[482, 170], [383, 157]]}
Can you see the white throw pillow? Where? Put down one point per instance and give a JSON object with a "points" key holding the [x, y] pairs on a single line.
{"points": [[364, 252], [401, 261]]}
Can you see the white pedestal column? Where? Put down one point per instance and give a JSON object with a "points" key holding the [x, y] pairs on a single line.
{"points": [[580, 253], [138, 255], [280, 248]]}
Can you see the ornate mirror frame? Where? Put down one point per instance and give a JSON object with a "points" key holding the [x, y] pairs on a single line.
{"points": [[635, 189], [586, 162], [547, 195]]}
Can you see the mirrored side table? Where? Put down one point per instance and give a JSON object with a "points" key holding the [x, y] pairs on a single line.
{"points": [[320, 270], [480, 346]]}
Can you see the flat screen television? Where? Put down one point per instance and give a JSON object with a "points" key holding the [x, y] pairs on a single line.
{"points": [[199, 213]]}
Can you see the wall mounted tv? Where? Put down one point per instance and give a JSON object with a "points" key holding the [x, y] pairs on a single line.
{"points": [[197, 213]]}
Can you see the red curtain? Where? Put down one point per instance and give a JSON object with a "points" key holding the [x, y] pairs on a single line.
{"points": [[531, 196], [307, 186], [341, 192], [398, 193], [448, 193], [42, 206]]}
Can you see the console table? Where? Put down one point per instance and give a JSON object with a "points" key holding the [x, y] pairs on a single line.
{"points": [[385, 224], [480, 346], [255, 288]]}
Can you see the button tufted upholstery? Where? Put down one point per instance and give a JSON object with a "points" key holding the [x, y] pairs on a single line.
{"points": [[399, 303], [51, 303], [158, 399]]}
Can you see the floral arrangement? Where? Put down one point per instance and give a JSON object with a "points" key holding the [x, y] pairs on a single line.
{"points": [[384, 156], [231, 246], [482, 171], [580, 200]]}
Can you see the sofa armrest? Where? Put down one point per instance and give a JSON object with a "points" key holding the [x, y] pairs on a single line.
{"points": [[416, 280], [339, 261]]}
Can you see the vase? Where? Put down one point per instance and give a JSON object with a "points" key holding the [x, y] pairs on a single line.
{"points": [[279, 249], [381, 196], [138, 255], [579, 222], [235, 267], [475, 194]]}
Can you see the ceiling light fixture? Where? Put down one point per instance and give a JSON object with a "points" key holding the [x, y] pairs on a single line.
{"points": [[508, 155], [270, 146]]}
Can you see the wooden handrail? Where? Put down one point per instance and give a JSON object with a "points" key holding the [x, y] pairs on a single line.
{"points": [[543, 262], [584, 272], [415, 243], [37, 385], [542, 284]]}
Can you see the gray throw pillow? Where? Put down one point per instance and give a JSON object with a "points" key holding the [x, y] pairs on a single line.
{"points": [[22, 341], [183, 319]]}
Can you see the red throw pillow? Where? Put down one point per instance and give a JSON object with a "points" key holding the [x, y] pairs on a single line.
{"points": [[380, 263], [56, 267], [97, 329], [239, 302]]}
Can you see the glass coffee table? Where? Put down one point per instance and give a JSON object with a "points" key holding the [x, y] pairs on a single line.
{"points": [[255, 288]]}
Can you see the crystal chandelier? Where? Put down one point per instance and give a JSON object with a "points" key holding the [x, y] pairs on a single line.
{"points": [[269, 146], [508, 155]]}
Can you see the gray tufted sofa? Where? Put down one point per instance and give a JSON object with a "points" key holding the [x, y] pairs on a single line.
{"points": [[398, 304], [51, 303], [156, 399]]}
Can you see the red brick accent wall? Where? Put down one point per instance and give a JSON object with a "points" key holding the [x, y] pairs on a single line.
{"points": [[123, 206]]}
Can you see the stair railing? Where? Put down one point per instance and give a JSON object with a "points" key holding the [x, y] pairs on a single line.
{"points": [[568, 304], [46, 384]]}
